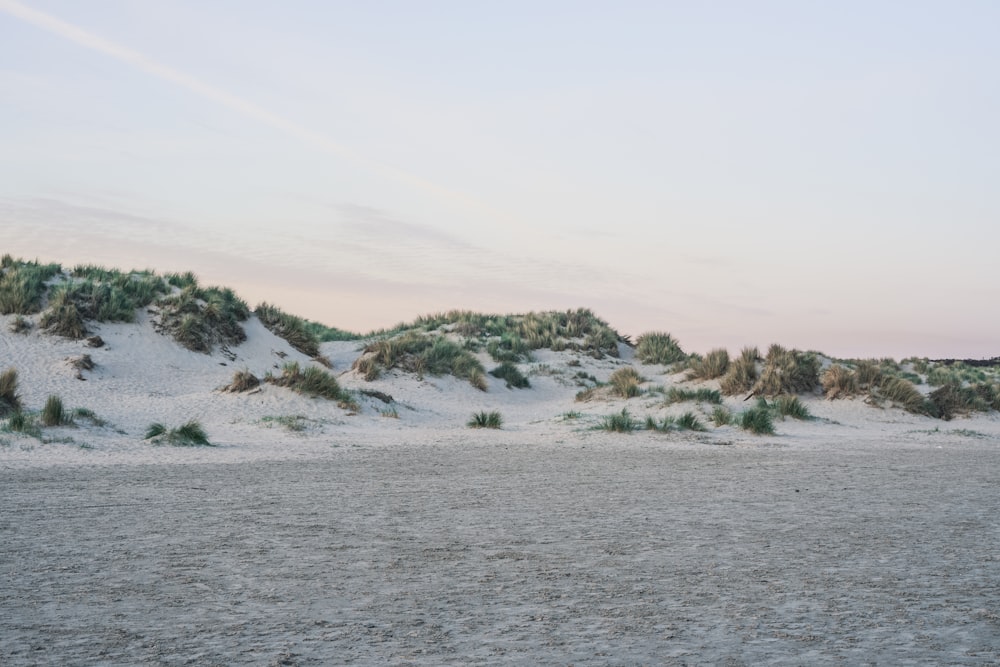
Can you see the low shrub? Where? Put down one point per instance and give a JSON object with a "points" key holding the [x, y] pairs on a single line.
{"points": [[510, 373], [486, 420], [658, 348], [953, 399]]}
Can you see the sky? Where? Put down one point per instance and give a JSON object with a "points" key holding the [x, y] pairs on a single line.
{"points": [[820, 175]]}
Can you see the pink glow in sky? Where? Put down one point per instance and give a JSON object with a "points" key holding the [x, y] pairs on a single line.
{"points": [[823, 176]]}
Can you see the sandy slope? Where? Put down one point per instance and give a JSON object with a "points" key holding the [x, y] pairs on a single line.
{"points": [[143, 377]]}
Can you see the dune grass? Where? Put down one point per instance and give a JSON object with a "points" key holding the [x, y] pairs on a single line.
{"points": [[189, 434], [757, 419], [511, 374], [788, 405], [700, 395], [721, 416], [314, 382], [10, 400], [423, 354], [54, 413], [741, 374], [712, 365], [787, 372], [297, 331], [625, 382], [486, 420], [23, 285], [200, 318], [657, 347], [242, 381], [620, 422]]}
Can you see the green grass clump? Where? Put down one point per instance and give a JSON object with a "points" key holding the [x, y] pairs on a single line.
{"points": [[23, 285], [689, 422], [421, 354], [89, 415], [486, 420], [953, 399], [189, 434], [10, 400], [902, 392], [711, 366], [311, 381], [721, 416], [787, 405], [242, 381], [757, 420], [658, 348], [293, 329], [701, 395], [54, 414], [294, 423], [741, 374], [200, 318], [787, 372], [22, 422], [510, 373], [621, 422], [625, 382], [509, 348]]}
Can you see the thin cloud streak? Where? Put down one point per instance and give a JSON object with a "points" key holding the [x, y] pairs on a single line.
{"points": [[244, 107]]}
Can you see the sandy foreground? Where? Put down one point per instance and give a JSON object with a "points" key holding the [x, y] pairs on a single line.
{"points": [[593, 551]]}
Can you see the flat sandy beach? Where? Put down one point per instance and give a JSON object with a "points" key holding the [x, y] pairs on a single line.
{"points": [[621, 552]]}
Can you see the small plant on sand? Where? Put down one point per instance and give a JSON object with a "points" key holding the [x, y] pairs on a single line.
{"points": [[787, 405], [621, 422], [658, 348], [10, 400], [23, 285], [711, 366], [22, 422], [485, 420], [742, 373], [721, 416], [625, 382], [89, 415], [312, 381], [20, 324], [510, 373], [54, 414], [689, 422], [242, 381], [701, 395], [757, 419], [189, 434], [294, 423]]}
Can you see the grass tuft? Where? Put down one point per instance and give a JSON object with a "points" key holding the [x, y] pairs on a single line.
{"points": [[701, 395], [621, 422], [757, 419], [189, 434], [741, 375], [486, 420], [721, 416], [711, 366], [625, 382], [510, 373], [787, 405], [689, 422], [242, 381], [54, 414], [658, 348], [10, 400]]}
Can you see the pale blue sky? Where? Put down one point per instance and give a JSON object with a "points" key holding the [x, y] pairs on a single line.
{"points": [[822, 175]]}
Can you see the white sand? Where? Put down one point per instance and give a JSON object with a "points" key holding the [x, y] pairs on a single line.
{"points": [[867, 536]]}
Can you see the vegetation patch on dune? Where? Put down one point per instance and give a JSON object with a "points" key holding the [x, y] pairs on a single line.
{"points": [[658, 347], [314, 382], [741, 373], [422, 354], [293, 329], [189, 434], [199, 318], [486, 420]]}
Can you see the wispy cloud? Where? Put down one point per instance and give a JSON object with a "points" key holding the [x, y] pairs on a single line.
{"points": [[244, 107]]}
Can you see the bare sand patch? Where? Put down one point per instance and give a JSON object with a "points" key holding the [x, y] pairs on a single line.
{"points": [[510, 553]]}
